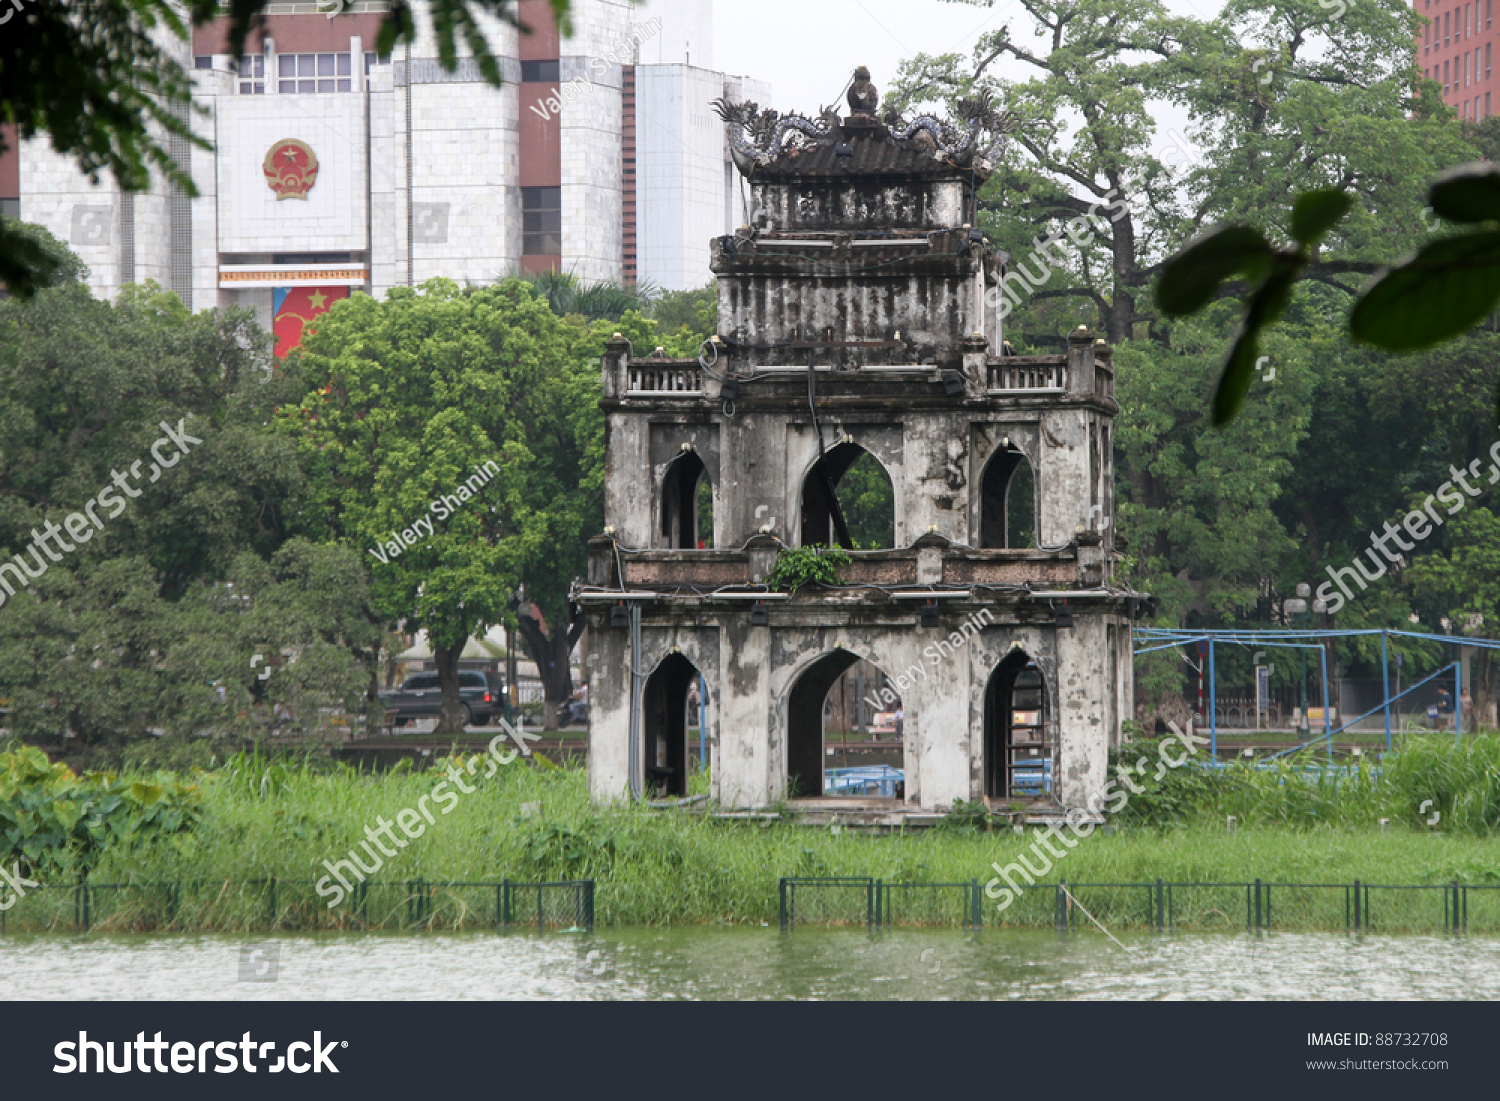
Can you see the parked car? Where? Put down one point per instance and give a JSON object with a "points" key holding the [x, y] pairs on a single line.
{"points": [[421, 696]]}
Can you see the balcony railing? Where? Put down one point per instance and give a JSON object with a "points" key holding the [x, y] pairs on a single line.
{"points": [[1028, 376], [649, 378]]}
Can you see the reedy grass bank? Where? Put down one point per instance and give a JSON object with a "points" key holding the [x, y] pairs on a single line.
{"points": [[530, 823]]}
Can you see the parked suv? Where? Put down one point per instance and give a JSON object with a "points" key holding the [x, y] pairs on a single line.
{"points": [[421, 696]]}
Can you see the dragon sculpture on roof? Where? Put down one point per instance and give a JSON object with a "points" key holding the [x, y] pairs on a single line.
{"points": [[759, 137]]}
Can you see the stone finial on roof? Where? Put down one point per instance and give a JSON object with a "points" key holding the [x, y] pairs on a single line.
{"points": [[863, 97]]}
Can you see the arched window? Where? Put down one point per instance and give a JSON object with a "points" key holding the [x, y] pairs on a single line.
{"points": [[1007, 501], [848, 501], [839, 699], [665, 707], [1018, 754], [687, 504]]}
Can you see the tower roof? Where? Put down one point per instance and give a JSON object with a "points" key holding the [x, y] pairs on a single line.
{"points": [[766, 144]]}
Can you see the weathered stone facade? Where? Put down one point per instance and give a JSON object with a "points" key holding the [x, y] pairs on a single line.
{"points": [[859, 269]]}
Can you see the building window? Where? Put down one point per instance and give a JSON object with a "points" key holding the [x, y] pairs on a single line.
{"points": [[303, 73], [1445, 78], [10, 208], [373, 59], [1447, 27], [1487, 58], [203, 61], [252, 73], [540, 72], [541, 221]]}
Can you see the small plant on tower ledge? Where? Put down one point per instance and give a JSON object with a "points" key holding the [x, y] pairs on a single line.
{"points": [[798, 566]]}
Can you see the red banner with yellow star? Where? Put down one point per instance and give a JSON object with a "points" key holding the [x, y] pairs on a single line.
{"points": [[294, 307]]}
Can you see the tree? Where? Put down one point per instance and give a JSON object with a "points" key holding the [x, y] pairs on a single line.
{"points": [[100, 78], [567, 294], [452, 439], [1465, 582], [697, 310], [1284, 97], [139, 484]]}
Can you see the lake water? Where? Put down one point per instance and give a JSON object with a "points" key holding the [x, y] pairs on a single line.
{"points": [[759, 963]]}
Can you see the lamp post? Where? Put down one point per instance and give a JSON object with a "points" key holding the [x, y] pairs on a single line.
{"points": [[1295, 609]]}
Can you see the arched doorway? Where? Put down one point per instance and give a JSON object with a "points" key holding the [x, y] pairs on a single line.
{"points": [[848, 500], [1007, 501], [687, 504], [1018, 754], [824, 713], [665, 722]]}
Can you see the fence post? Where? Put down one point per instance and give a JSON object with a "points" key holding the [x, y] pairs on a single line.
{"points": [[1161, 909], [1062, 902], [1257, 908], [978, 910], [872, 908], [1456, 927], [782, 892], [589, 901], [505, 909]]}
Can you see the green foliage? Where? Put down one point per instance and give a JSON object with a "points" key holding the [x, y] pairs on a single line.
{"points": [[810, 565], [171, 598], [58, 825], [565, 293], [869, 502], [659, 867], [474, 396], [967, 818], [697, 311], [1193, 278], [1168, 796], [31, 259]]}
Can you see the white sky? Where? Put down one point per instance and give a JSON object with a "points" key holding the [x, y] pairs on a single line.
{"points": [[807, 48]]}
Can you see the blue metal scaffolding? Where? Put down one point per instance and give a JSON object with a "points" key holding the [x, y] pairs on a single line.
{"points": [[1166, 638]]}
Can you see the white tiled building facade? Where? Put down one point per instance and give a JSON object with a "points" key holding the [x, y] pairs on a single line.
{"points": [[440, 174]]}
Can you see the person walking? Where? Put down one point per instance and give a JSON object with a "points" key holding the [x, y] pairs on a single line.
{"points": [[900, 721]]}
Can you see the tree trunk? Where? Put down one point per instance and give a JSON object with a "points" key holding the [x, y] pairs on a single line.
{"points": [[451, 719], [551, 657], [1484, 688]]}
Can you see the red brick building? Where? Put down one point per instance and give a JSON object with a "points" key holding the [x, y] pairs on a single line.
{"points": [[1456, 49]]}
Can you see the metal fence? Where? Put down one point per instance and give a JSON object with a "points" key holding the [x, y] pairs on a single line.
{"points": [[291, 904], [874, 904], [1255, 906]]}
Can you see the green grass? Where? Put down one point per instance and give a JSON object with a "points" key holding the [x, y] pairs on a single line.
{"points": [[654, 867]]}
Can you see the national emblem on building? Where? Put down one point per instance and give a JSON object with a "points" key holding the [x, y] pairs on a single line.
{"points": [[291, 169]]}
